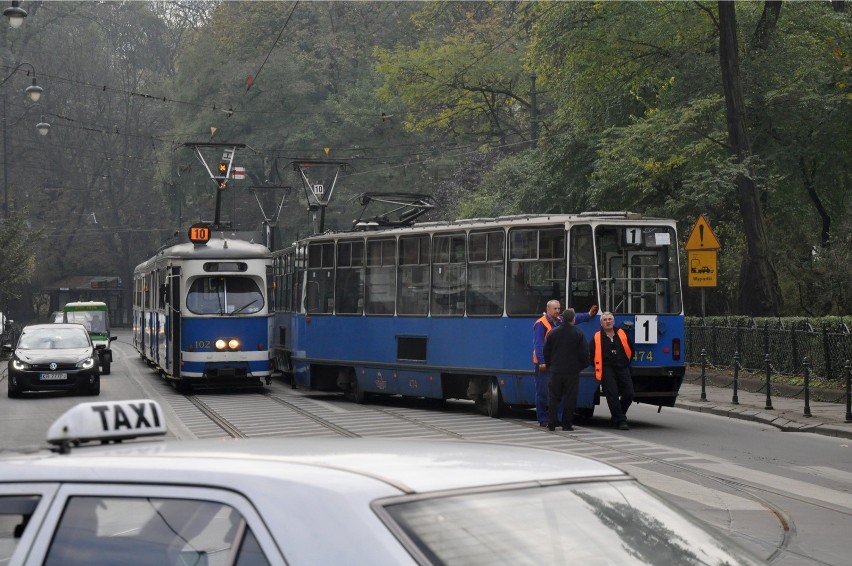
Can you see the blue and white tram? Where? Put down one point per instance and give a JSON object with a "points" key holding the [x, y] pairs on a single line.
{"points": [[445, 310], [201, 314]]}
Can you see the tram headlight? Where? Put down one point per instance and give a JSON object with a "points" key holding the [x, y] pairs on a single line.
{"points": [[220, 344], [233, 344]]}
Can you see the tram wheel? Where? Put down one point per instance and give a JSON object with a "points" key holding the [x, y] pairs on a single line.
{"points": [[357, 394], [491, 402]]}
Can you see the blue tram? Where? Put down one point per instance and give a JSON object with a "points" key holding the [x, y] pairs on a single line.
{"points": [[201, 314], [444, 310]]}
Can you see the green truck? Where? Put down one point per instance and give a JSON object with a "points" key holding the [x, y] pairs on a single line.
{"points": [[94, 316]]}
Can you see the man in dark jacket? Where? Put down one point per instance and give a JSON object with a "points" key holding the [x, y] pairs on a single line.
{"points": [[566, 354]]}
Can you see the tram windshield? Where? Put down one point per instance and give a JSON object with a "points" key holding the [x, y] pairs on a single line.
{"points": [[638, 269], [224, 295]]}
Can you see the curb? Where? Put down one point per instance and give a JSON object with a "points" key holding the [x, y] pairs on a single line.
{"points": [[754, 415]]}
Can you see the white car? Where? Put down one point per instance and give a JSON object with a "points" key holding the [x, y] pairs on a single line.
{"points": [[325, 501]]}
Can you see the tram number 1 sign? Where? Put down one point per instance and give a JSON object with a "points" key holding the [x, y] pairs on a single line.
{"points": [[645, 331]]}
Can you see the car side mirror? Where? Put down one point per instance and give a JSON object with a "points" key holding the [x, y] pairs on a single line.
{"points": [[112, 338]]}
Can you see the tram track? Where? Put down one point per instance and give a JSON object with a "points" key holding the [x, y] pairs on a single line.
{"points": [[342, 418]]}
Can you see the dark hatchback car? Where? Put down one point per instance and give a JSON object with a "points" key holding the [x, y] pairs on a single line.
{"points": [[53, 357]]}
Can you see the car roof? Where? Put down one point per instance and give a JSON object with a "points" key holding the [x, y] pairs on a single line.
{"points": [[409, 466], [52, 327]]}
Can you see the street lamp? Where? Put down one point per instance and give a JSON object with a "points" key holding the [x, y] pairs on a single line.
{"points": [[43, 127], [15, 14], [34, 93]]}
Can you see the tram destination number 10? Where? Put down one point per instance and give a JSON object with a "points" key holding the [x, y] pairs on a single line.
{"points": [[199, 233]]}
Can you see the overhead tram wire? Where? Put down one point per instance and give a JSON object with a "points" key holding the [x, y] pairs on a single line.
{"points": [[274, 43]]}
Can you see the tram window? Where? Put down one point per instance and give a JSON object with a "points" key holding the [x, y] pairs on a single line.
{"points": [[349, 281], [224, 295], [582, 281], [413, 275], [449, 274], [536, 270], [486, 279], [319, 290], [380, 276], [149, 291], [638, 269]]}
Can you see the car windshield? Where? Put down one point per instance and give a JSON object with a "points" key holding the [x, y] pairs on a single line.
{"points": [[53, 339], [587, 523]]}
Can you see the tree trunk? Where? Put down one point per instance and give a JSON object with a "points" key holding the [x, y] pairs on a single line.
{"points": [[767, 23], [808, 176], [760, 294]]}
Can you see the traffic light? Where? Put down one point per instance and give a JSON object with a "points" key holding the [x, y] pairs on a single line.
{"points": [[223, 169]]}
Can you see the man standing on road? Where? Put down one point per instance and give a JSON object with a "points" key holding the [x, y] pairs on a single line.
{"points": [[611, 352], [566, 354], [549, 320]]}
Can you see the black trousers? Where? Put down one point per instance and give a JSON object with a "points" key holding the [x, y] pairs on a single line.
{"points": [[618, 388], [563, 388]]}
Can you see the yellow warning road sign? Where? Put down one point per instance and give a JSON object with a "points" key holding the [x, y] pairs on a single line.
{"points": [[702, 237], [702, 268]]}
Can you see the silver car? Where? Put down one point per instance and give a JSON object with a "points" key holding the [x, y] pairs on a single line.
{"points": [[325, 501]]}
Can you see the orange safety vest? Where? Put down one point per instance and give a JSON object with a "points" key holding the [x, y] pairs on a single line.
{"points": [[599, 353], [549, 327]]}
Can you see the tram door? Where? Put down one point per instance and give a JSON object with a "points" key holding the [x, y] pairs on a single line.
{"points": [[173, 308]]}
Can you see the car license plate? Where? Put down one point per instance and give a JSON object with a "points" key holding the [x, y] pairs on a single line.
{"points": [[54, 376]]}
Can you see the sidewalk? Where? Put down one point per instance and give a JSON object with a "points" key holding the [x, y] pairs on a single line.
{"points": [[787, 413]]}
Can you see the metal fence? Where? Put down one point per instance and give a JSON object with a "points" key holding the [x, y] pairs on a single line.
{"points": [[783, 344]]}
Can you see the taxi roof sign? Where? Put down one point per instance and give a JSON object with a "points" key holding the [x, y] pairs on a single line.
{"points": [[702, 237], [108, 421]]}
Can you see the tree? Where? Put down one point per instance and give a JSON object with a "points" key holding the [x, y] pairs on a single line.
{"points": [[468, 80], [759, 291], [18, 242]]}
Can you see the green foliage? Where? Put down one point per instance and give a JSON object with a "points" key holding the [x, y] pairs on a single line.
{"points": [[18, 244], [469, 81]]}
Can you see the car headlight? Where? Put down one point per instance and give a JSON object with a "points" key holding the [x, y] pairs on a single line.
{"points": [[19, 365], [234, 344], [220, 344], [88, 363]]}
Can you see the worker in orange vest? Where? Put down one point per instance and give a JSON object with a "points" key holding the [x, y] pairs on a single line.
{"points": [[611, 351], [549, 320]]}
